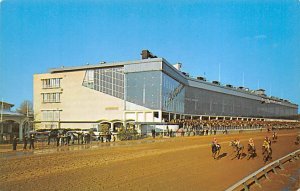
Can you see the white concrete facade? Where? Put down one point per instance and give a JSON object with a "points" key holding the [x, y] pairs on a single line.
{"points": [[79, 106]]}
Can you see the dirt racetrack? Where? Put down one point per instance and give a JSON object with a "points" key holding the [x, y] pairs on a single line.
{"points": [[182, 163]]}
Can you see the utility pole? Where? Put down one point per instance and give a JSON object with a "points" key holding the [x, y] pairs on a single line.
{"points": [[219, 72], [1, 110], [1, 129], [243, 79], [27, 109]]}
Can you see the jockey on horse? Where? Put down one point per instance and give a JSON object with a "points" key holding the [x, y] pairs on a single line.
{"points": [[238, 147], [215, 142], [251, 149], [215, 147], [274, 136], [267, 150]]}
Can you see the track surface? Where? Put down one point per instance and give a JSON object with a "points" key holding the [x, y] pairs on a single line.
{"points": [[182, 163]]}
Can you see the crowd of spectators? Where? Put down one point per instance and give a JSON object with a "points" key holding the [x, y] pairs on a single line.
{"points": [[208, 127]]}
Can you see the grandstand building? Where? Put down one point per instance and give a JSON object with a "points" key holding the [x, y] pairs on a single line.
{"points": [[146, 90]]}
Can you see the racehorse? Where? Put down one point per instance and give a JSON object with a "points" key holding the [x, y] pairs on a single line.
{"points": [[274, 137], [238, 148], [251, 151], [297, 142], [267, 153], [215, 149]]}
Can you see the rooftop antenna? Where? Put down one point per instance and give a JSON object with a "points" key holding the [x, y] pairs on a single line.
{"points": [[258, 84], [1, 109], [243, 79], [27, 108], [219, 72]]}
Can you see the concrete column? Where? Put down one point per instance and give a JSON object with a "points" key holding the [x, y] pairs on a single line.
{"points": [[21, 131]]}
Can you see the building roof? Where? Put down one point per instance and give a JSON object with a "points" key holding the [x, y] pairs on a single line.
{"points": [[14, 113], [6, 103], [116, 64], [104, 64]]}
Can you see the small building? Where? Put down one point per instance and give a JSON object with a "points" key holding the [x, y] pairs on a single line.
{"points": [[12, 123]]}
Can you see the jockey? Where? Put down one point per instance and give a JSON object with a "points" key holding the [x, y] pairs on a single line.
{"points": [[268, 140], [237, 142], [215, 142], [274, 134], [251, 142], [266, 144]]}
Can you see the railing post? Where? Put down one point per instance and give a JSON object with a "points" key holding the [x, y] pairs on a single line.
{"points": [[280, 165], [256, 181], [296, 156], [266, 175], [245, 186], [292, 158], [273, 168]]}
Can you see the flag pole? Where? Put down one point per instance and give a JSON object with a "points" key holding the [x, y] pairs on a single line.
{"points": [[1, 110], [27, 109]]}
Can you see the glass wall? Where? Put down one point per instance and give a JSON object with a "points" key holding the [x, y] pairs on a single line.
{"points": [[205, 102], [144, 88], [106, 80], [172, 95]]}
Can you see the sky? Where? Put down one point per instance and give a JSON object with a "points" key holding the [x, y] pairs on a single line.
{"points": [[253, 43]]}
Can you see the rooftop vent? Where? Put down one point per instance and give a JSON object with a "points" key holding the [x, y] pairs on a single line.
{"points": [[201, 78], [260, 92], [178, 66], [147, 54], [216, 82], [186, 74]]}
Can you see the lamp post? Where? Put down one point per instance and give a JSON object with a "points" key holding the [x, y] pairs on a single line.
{"points": [[1, 130]]}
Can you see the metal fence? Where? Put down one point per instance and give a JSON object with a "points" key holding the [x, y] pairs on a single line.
{"points": [[245, 183]]}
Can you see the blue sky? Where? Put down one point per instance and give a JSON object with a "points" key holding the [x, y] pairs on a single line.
{"points": [[259, 39]]}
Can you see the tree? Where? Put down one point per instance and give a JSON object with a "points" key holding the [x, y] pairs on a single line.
{"points": [[26, 107], [104, 129], [127, 133]]}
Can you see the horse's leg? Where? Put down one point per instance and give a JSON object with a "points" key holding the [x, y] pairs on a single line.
{"points": [[218, 153]]}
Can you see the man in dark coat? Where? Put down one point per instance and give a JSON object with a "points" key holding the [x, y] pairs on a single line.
{"points": [[31, 141], [15, 142], [25, 142], [153, 133]]}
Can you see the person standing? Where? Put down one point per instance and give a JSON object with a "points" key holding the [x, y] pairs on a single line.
{"points": [[153, 133], [15, 142], [49, 138], [168, 131], [57, 139], [25, 142], [31, 141]]}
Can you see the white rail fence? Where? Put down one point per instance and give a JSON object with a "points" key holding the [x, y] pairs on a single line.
{"points": [[245, 183]]}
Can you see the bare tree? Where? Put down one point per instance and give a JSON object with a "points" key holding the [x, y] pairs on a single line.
{"points": [[26, 108]]}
